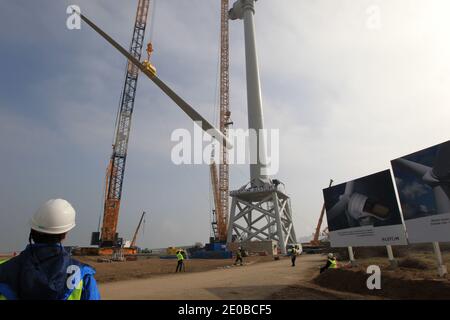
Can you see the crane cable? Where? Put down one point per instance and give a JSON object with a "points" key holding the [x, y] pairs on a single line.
{"points": [[152, 21]]}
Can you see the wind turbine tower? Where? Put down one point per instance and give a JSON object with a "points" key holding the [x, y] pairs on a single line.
{"points": [[260, 210]]}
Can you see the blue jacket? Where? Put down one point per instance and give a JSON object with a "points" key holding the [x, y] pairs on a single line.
{"points": [[47, 272]]}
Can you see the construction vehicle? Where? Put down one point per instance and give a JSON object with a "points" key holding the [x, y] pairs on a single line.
{"points": [[220, 180], [316, 245], [108, 239], [216, 248], [171, 253], [172, 250], [225, 114], [219, 221]]}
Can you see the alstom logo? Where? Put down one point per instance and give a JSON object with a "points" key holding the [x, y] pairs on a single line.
{"points": [[387, 239]]}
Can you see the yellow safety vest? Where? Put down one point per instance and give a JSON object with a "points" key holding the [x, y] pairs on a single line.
{"points": [[180, 256], [333, 264], [76, 293]]}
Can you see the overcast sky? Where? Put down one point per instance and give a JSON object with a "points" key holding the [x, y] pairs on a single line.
{"points": [[347, 93]]}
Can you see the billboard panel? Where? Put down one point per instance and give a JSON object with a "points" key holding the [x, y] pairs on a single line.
{"points": [[364, 212], [423, 184]]}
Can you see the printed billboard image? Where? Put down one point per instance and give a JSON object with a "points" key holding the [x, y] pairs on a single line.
{"points": [[364, 212], [423, 184]]}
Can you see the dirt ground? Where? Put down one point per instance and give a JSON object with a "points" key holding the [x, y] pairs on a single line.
{"points": [[147, 268], [259, 281], [263, 279]]}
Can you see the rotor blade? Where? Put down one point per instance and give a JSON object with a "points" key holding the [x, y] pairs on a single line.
{"points": [[337, 209], [191, 112], [418, 169], [349, 188], [441, 168], [442, 199]]}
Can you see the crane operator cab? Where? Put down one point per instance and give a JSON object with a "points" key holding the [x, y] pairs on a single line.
{"points": [[147, 63]]}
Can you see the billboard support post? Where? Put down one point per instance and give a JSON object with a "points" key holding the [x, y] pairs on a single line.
{"points": [[392, 261], [351, 256], [442, 268]]}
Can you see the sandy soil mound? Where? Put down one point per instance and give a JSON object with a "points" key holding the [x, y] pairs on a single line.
{"points": [[391, 287]]}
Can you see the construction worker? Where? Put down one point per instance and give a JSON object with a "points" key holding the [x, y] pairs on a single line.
{"points": [[294, 253], [331, 263], [45, 270], [238, 256], [180, 261]]}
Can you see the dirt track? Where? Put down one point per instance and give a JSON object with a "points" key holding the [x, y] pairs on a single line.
{"points": [[268, 280]]}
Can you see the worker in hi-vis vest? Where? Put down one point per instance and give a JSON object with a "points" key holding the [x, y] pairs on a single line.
{"points": [[45, 270], [294, 254], [331, 263], [180, 261], [239, 256]]}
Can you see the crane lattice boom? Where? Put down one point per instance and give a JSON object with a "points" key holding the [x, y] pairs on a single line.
{"points": [[116, 167], [222, 210]]}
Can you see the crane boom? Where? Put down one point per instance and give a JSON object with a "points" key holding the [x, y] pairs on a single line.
{"points": [[215, 189], [133, 242], [315, 240], [222, 214], [116, 167], [220, 181], [183, 105]]}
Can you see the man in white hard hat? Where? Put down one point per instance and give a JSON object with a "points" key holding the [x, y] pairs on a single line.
{"points": [[331, 263], [45, 270]]}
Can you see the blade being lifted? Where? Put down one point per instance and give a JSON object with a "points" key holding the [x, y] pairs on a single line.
{"points": [[191, 112]]}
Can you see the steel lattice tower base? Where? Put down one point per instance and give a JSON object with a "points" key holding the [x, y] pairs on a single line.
{"points": [[262, 213]]}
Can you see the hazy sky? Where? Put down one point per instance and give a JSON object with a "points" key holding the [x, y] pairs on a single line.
{"points": [[347, 93]]}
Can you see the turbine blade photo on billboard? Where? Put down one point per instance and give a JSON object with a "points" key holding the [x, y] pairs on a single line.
{"points": [[364, 212], [423, 184]]}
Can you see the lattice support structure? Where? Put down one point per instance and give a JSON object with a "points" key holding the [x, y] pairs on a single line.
{"points": [[261, 214]]}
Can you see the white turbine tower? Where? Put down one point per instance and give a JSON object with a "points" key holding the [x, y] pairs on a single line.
{"points": [[259, 209]]}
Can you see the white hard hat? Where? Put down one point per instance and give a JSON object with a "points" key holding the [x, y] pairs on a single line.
{"points": [[56, 216], [330, 255]]}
